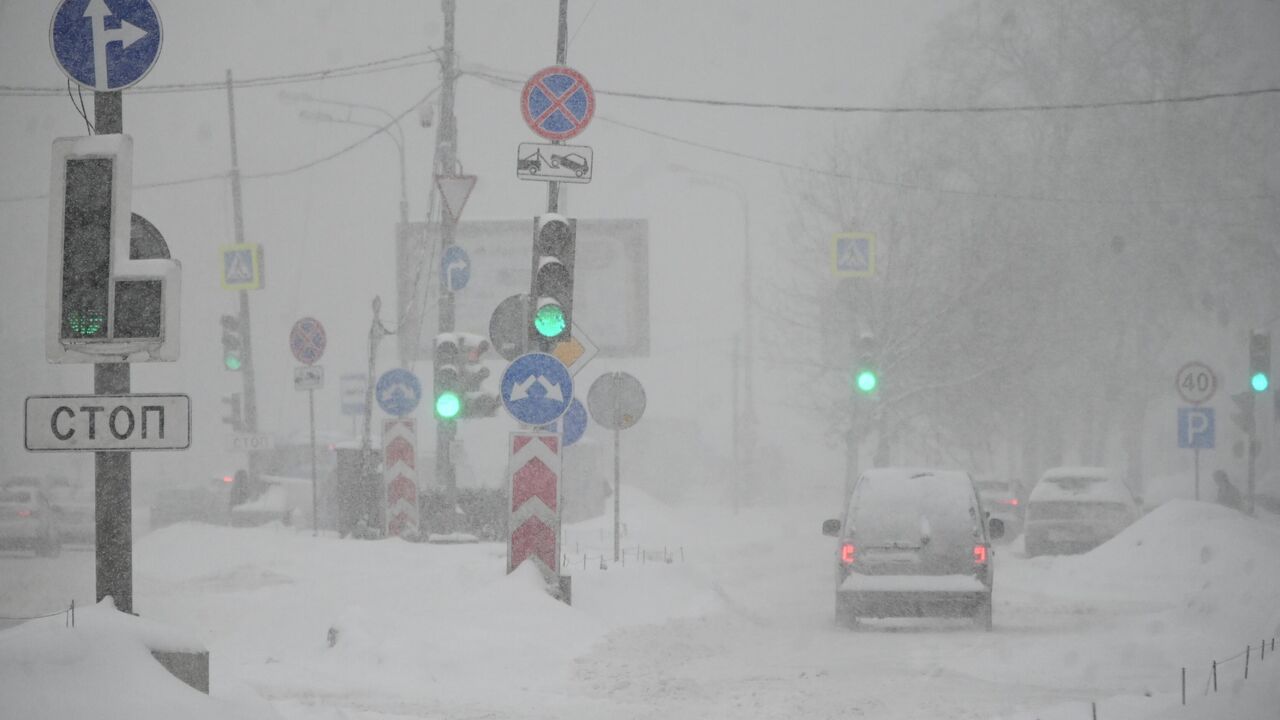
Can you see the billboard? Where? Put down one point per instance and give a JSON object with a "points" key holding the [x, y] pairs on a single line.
{"points": [[611, 281]]}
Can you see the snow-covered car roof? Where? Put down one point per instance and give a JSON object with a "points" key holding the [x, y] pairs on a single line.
{"points": [[1081, 484]]}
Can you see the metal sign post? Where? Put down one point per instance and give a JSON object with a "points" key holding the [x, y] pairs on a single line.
{"points": [[307, 341], [616, 401]]}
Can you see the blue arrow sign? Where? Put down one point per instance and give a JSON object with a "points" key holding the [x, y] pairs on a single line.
{"points": [[536, 389], [455, 268], [1195, 428], [575, 422], [105, 45], [398, 392]]}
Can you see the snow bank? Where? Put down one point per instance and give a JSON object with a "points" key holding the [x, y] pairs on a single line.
{"points": [[103, 667]]}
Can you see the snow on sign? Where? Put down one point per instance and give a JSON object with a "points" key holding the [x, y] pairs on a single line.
{"points": [[557, 102], [105, 46], [554, 163], [535, 502]]}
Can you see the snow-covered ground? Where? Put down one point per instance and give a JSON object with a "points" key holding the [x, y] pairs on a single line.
{"points": [[738, 624]]}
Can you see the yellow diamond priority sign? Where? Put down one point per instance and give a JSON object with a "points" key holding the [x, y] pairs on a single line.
{"points": [[575, 352]]}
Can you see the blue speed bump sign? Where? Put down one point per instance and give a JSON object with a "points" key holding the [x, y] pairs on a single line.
{"points": [[105, 46], [398, 392], [1195, 428], [853, 254], [536, 389]]}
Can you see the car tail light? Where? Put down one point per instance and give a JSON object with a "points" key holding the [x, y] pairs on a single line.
{"points": [[24, 513], [980, 554], [847, 553], [1011, 501], [228, 478]]}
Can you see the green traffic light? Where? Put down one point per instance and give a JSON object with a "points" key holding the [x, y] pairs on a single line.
{"points": [[1260, 382], [85, 324], [866, 381], [232, 362], [448, 405], [549, 320]]}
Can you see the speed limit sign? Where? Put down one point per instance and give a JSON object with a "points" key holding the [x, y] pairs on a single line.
{"points": [[1197, 383]]}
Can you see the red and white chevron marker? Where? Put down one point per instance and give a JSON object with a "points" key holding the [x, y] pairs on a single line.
{"points": [[535, 502], [400, 473]]}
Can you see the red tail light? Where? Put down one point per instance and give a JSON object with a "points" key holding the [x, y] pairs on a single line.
{"points": [[980, 554], [847, 553], [24, 513], [228, 478], [1010, 501]]}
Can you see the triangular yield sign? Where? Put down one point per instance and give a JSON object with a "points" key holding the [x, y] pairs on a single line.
{"points": [[455, 189]]}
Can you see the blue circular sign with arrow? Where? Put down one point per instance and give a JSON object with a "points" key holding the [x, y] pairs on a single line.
{"points": [[536, 389], [455, 268], [105, 47], [575, 422], [398, 392]]}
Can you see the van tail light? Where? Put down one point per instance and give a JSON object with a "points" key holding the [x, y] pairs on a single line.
{"points": [[980, 554], [847, 554], [24, 513]]}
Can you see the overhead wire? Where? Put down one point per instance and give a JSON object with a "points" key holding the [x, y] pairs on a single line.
{"points": [[398, 62], [507, 83]]}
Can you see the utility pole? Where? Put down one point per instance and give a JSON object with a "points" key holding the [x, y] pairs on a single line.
{"points": [[250, 407], [446, 163], [112, 489]]}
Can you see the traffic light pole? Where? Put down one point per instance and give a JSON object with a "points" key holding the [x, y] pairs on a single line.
{"points": [[112, 488], [249, 418], [446, 163]]}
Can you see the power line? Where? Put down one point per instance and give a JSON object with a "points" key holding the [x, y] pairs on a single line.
{"points": [[902, 109], [262, 175], [399, 62], [897, 184]]}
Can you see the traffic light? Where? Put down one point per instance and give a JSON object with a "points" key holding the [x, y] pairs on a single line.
{"points": [[86, 249], [475, 403], [234, 416], [1243, 417], [232, 343], [551, 290], [1259, 361], [866, 380], [447, 377]]}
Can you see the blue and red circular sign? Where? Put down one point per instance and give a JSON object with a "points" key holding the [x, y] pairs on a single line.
{"points": [[307, 340], [557, 102]]}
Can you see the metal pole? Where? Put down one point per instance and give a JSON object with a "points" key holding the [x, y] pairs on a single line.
{"points": [[112, 490], [1197, 454], [617, 467], [562, 53], [748, 357], [376, 331], [315, 512], [250, 406], [446, 164]]}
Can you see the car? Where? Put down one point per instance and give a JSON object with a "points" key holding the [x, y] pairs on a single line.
{"points": [[1075, 509], [1001, 501], [73, 510], [572, 161], [913, 543], [529, 164], [27, 522]]}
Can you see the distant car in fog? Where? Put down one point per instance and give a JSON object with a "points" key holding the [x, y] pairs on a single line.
{"points": [[1001, 502], [913, 543], [1075, 509], [27, 521], [73, 510]]}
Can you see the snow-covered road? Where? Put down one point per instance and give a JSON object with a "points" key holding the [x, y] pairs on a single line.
{"points": [[741, 628]]}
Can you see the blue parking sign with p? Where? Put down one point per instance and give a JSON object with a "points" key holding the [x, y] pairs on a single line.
{"points": [[1195, 428]]}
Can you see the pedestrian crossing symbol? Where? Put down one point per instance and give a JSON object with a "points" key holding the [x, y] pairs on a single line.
{"points": [[242, 267], [853, 254]]}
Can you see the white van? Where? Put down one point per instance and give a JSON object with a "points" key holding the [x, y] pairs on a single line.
{"points": [[1075, 509]]}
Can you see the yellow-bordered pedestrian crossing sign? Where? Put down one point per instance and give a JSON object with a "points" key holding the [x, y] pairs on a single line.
{"points": [[853, 254], [242, 267]]}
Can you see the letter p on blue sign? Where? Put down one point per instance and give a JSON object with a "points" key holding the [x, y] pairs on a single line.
{"points": [[1195, 428]]}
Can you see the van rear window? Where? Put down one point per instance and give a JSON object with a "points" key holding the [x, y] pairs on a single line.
{"points": [[888, 511]]}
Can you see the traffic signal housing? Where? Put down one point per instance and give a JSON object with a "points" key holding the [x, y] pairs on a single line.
{"points": [[1243, 416], [235, 415], [1259, 361], [232, 343], [447, 377], [551, 288]]}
